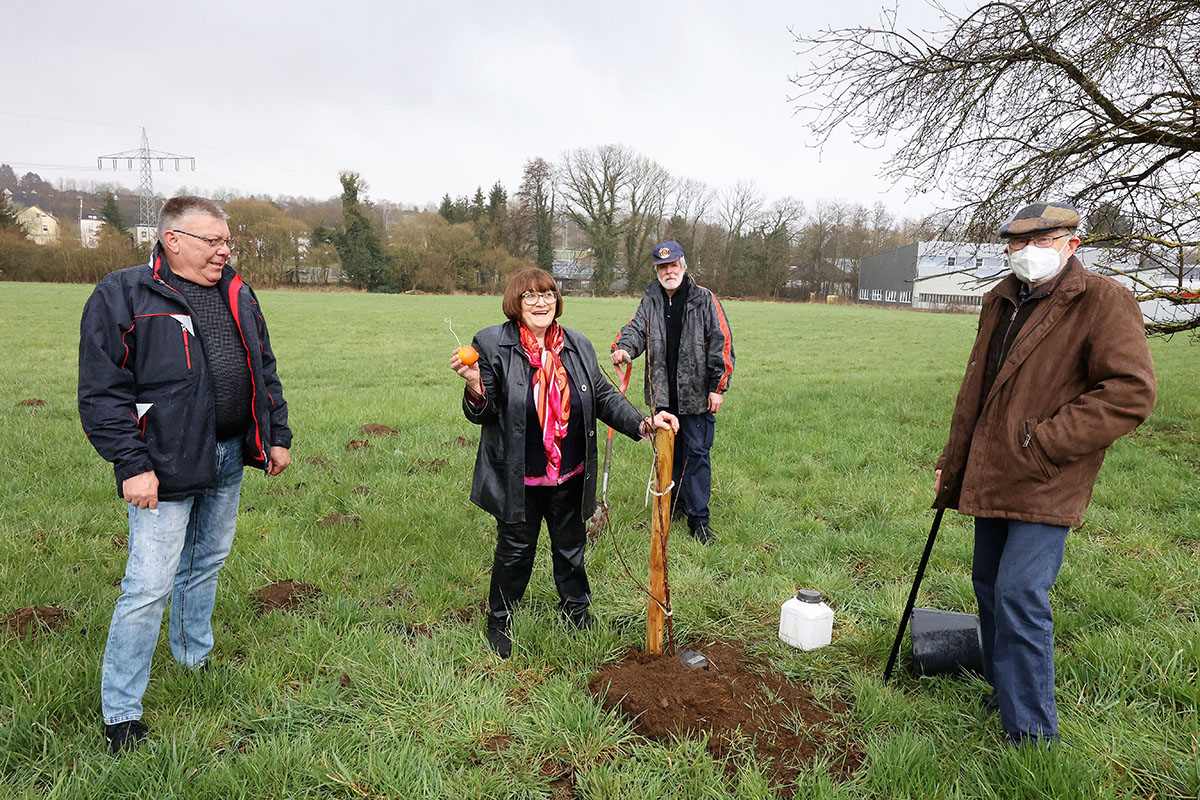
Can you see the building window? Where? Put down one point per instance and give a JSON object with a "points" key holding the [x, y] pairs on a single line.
{"points": [[958, 300], [951, 261], [978, 261], [864, 294], [876, 294]]}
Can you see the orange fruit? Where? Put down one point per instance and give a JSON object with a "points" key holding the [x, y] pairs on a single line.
{"points": [[467, 355]]}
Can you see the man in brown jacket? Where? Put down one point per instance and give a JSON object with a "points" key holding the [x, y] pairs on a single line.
{"points": [[1059, 371]]}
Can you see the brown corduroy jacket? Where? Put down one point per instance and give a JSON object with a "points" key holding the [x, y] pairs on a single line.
{"points": [[1077, 378]]}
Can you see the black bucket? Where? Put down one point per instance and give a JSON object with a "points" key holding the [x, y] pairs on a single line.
{"points": [[945, 642]]}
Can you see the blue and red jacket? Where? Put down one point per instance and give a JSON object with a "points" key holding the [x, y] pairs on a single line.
{"points": [[145, 391]]}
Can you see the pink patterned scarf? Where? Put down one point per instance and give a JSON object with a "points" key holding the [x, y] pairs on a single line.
{"points": [[551, 392]]}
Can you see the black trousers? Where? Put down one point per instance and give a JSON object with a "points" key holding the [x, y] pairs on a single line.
{"points": [[516, 546]]}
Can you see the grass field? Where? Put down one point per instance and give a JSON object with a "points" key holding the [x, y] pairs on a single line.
{"points": [[383, 686]]}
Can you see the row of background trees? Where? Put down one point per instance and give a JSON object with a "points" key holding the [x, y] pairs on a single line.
{"points": [[597, 210], [1005, 103]]}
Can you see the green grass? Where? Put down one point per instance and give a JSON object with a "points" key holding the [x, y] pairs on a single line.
{"points": [[822, 477]]}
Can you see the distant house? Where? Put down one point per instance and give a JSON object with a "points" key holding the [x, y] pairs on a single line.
{"points": [[41, 226], [573, 270], [89, 230]]}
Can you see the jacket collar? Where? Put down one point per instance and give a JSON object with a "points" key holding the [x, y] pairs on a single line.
{"points": [[655, 290], [510, 335], [160, 274]]}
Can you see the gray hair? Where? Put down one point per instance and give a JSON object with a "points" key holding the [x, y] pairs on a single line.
{"points": [[177, 208]]}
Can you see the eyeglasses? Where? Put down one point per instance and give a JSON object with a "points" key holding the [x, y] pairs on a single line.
{"points": [[1045, 240], [212, 241], [531, 298]]}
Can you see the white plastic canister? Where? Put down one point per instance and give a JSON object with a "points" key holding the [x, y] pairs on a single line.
{"points": [[805, 621]]}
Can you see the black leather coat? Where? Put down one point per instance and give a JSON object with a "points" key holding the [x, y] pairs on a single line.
{"points": [[498, 486]]}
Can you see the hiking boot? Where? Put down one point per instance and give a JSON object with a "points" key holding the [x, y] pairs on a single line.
{"points": [[702, 533], [125, 735], [500, 641]]}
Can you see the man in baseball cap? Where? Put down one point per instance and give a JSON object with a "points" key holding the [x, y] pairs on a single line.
{"points": [[682, 328], [1059, 371]]}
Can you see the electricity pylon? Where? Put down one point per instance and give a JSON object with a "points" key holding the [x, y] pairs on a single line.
{"points": [[148, 212]]}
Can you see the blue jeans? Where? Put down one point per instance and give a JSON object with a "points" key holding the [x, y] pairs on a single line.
{"points": [[175, 550], [1014, 566], [692, 469]]}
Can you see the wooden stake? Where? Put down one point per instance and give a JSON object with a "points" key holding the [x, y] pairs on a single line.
{"points": [[660, 528]]}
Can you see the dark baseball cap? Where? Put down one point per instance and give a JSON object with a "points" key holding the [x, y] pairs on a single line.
{"points": [[666, 252], [1040, 218]]}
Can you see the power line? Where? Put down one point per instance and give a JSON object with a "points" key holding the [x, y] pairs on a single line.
{"points": [[61, 119]]}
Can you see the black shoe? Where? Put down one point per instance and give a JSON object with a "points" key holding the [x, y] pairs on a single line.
{"points": [[678, 515], [990, 704], [499, 641], [702, 533], [580, 621], [125, 735]]}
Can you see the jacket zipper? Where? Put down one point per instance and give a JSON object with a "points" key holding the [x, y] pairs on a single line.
{"points": [[1036, 456], [1008, 331]]}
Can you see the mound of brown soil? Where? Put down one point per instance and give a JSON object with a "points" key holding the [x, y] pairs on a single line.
{"points": [[35, 619], [283, 595], [357, 444], [32, 401], [377, 429], [316, 461], [787, 727]]}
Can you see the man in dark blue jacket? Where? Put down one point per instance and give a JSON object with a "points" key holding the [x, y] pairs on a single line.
{"points": [[178, 389]]}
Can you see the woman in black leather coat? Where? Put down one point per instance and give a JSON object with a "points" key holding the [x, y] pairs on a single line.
{"points": [[537, 392]]}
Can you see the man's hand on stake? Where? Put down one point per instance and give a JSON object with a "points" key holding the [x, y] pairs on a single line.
{"points": [[620, 357], [937, 481], [141, 490]]}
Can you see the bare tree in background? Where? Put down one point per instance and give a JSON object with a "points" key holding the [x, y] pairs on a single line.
{"points": [[780, 231], [1092, 101], [593, 183], [739, 209], [645, 202], [689, 203], [535, 211]]}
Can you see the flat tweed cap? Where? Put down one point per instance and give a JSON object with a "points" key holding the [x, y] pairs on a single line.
{"points": [[1040, 218]]}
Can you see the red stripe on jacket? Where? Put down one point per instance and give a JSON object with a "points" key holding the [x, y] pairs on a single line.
{"points": [[234, 287]]}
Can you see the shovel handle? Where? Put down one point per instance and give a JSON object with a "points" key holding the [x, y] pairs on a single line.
{"points": [[624, 385]]}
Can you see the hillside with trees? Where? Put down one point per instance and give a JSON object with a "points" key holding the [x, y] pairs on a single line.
{"points": [[591, 214]]}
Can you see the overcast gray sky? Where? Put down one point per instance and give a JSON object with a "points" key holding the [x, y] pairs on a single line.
{"points": [[423, 98]]}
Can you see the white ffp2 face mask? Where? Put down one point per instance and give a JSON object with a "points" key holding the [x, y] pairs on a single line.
{"points": [[1033, 264]]}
